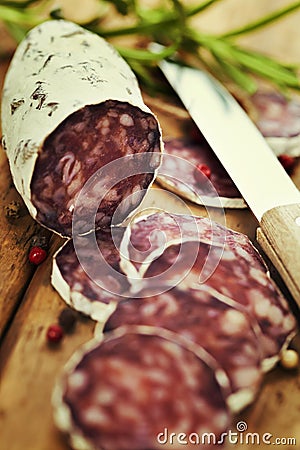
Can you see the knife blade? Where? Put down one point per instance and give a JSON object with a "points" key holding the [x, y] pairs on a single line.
{"points": [[266, 187]]}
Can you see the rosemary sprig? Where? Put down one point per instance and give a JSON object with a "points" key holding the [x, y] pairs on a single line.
{"points": [[169, 25], [237, 63]]}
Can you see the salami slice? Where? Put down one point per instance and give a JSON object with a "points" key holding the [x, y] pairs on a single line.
{"points": [[241, 277], [150, 234], [278, 119], [180, 174], [84, 284], [136, 390], [76, 108], [223, 331]]}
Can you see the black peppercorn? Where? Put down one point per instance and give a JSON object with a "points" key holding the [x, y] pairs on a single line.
{"points": [[67, 319], [12, 210]]}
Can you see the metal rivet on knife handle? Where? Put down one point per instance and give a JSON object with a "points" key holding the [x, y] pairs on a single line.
{"points": [[279, 237]]}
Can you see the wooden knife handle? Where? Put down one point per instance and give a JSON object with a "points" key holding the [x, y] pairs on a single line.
{"points": [[279, 237]]}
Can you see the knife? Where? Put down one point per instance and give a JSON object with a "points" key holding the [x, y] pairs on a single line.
{"points": [[250, 162]]}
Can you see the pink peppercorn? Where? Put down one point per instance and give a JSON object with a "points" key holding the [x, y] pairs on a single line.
{"points": [[202, 169], [37, 255], [55, 333]]}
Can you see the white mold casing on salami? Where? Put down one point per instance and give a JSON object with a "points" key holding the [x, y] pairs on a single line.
{"points": [[61, 78]]}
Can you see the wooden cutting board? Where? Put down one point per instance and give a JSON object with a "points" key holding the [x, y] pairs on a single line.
{"points": [[28, 304]]}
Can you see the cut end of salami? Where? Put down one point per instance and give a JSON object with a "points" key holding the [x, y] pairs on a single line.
{"points": [[84, 143], [135, 389]]}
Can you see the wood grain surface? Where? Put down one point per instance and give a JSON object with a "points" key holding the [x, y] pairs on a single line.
{"points": [[279, 238], [28, 303]]}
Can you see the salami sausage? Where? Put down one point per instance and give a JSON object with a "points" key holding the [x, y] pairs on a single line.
{"points": [[137, 387], [92, 289], [180, 174], [224, 331], [76, 107]]}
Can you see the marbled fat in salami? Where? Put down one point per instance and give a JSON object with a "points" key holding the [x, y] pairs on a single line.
{"points": [[224, 331], [76, 107], [84, 143], [135, 388], [84, 281]]}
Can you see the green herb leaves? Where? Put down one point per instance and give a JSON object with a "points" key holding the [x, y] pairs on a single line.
{"points": [[170, 25]]}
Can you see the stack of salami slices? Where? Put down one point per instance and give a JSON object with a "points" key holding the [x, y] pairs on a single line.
{"points": [[184, 336], [189, 318]]}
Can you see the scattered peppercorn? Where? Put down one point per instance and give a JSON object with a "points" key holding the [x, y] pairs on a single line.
{"points": [[287, 162], [55, 333], [67, 319], [289, 359], [37, 255], [202, 169], [40, 241], [12, 210]]}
